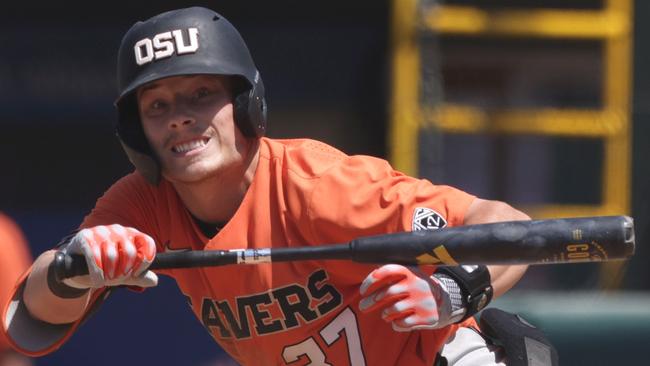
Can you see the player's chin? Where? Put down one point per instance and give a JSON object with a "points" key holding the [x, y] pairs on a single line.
{"points": [[190, 173]]}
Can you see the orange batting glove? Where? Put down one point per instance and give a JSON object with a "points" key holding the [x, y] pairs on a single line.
{"points": [[116, 255], [408, 298]]}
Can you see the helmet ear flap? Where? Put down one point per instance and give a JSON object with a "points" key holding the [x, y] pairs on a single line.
{"points": [[146, 164], [132, 138], [250, 109]]}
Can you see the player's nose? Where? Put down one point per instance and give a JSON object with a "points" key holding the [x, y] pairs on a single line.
{"points": [[181, 118]]}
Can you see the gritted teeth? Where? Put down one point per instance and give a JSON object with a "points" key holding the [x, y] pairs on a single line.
{"points": [[190, 145]]}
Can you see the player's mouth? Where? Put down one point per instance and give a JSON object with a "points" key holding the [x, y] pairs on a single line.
{"points": [[190, 146]]}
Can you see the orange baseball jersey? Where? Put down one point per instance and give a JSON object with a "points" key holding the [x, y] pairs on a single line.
{"points": [[305, 312], [15, 260]]}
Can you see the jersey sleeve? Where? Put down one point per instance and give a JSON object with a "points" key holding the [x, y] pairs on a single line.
{"points": [[364, 196], [125, 203], [129, 202], [15, 260]]}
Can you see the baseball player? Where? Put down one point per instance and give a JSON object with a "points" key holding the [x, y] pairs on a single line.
{"points": [[14, 261], [192, 118]]}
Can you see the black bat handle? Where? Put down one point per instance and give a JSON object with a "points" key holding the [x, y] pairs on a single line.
{"points": [[66, 266]]}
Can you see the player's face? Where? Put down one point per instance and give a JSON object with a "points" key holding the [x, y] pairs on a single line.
{"points": [[188, 121]]}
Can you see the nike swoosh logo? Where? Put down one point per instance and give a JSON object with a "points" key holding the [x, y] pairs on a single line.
{"points": [[170, 250]]}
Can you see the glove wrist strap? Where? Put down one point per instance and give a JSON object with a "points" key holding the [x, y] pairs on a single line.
{"points": [[458, 308], [474, 285]]}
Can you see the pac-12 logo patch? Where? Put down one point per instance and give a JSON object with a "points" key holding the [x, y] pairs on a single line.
{"points": [[425, 218]]}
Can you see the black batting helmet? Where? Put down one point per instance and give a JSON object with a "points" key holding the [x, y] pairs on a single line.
{"points": [[191, 41]]}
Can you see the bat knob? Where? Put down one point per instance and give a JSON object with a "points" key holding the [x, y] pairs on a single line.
{"points": [[628, 232], [66, 266], [59, 266]]}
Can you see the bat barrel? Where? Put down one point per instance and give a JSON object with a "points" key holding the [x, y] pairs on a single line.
{"points": [[589, 239]]}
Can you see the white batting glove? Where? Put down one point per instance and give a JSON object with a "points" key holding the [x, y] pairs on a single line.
{"points": [[116, 255], [407, 298]]}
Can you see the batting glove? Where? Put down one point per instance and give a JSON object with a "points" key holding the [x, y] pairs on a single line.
{"points": [[115, 255], [408, 298]]}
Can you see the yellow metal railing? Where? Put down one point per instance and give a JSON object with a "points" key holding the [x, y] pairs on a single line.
{"points": [[528, 23], [548, 121], [612, 26], [405, 113]]}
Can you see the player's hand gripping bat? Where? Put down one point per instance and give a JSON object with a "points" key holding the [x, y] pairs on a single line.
{"points": [[570, 240]]}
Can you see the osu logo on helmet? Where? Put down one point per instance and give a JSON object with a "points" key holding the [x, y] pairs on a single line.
{"points": [[161, 45]]}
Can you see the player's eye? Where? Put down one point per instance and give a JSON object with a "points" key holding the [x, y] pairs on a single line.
{"points": [[202, 94], [156, 107]]}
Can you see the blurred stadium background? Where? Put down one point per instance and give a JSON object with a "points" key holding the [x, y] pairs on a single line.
{"points": [[541, 103]]}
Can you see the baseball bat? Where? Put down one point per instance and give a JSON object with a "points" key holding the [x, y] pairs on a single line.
{"points": [[568, 240]]}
